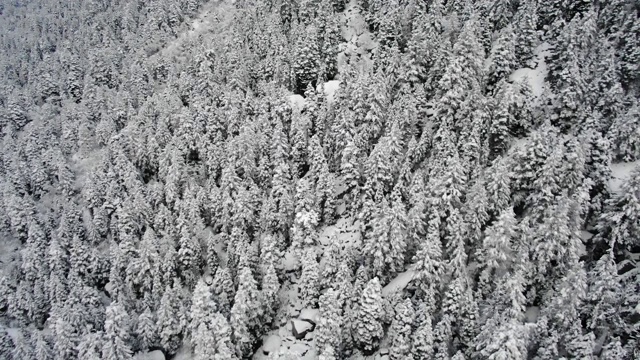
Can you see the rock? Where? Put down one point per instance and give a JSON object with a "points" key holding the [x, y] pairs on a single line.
{"points": [[300, 328], [300, 349], [108, 288], [152, 355], [384, 352], [310, 315], [295, 312], [271, 344]]}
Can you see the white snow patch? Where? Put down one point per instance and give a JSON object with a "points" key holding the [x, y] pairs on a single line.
{"points": [[303, 351], [14, 333], [340, 187], [345, 231], [620, 172], [184, 353], [213, 15], [271, 344], [585, 235], [535, 76], [309, 314], [290, 262], [399, 283], [329, 88], [341, 208], [532, 314], [297, 102], [153, 355], [109, 288]]}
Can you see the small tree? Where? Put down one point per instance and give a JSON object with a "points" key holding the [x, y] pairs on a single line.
{"points": [[309, 279], [368, 327], [401, 330], [116, 336]]}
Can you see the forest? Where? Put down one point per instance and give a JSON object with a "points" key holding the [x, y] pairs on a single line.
{"points": [[319, 179]]}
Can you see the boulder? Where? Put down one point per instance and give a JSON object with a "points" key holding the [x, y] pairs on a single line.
{"points": [[299, 349], [271, 344], [309, 315], [151, 355], [301, 328]]}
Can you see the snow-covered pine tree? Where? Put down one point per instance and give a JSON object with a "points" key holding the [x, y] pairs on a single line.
{"points": [[622, 231], [309, 279], [400, 332], [269, 296], [503, 57], [116, 334], [526, 32], [23, 348], [422, 345], [245, 312], [367, 330], [146, 329], [6, 343], [168, 322], [42, 346], [307, 56], [624, 136], [330, 322], [202, 305]]}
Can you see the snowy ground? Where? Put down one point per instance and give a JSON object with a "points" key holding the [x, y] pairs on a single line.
{"points": [[205, 22], [620, 172], [536, 76]]}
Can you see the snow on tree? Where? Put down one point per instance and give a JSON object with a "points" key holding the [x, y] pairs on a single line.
{"points": [[307, 56], [526, 34], [116, 334], [503, 334], [270, 288], [245, 312], [503, 57], [497, 251], [146, 329], [65, 339], [223, 288], [6, 343], [618, 224], [201, 306], [23, 348], [400, 332], [307, 216], [367, 328], [613, 350], [429, 261], [501, 13], [309, 287], [422, 345], [42, 347], [624, 136], [330, 322], [168, 322]]}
